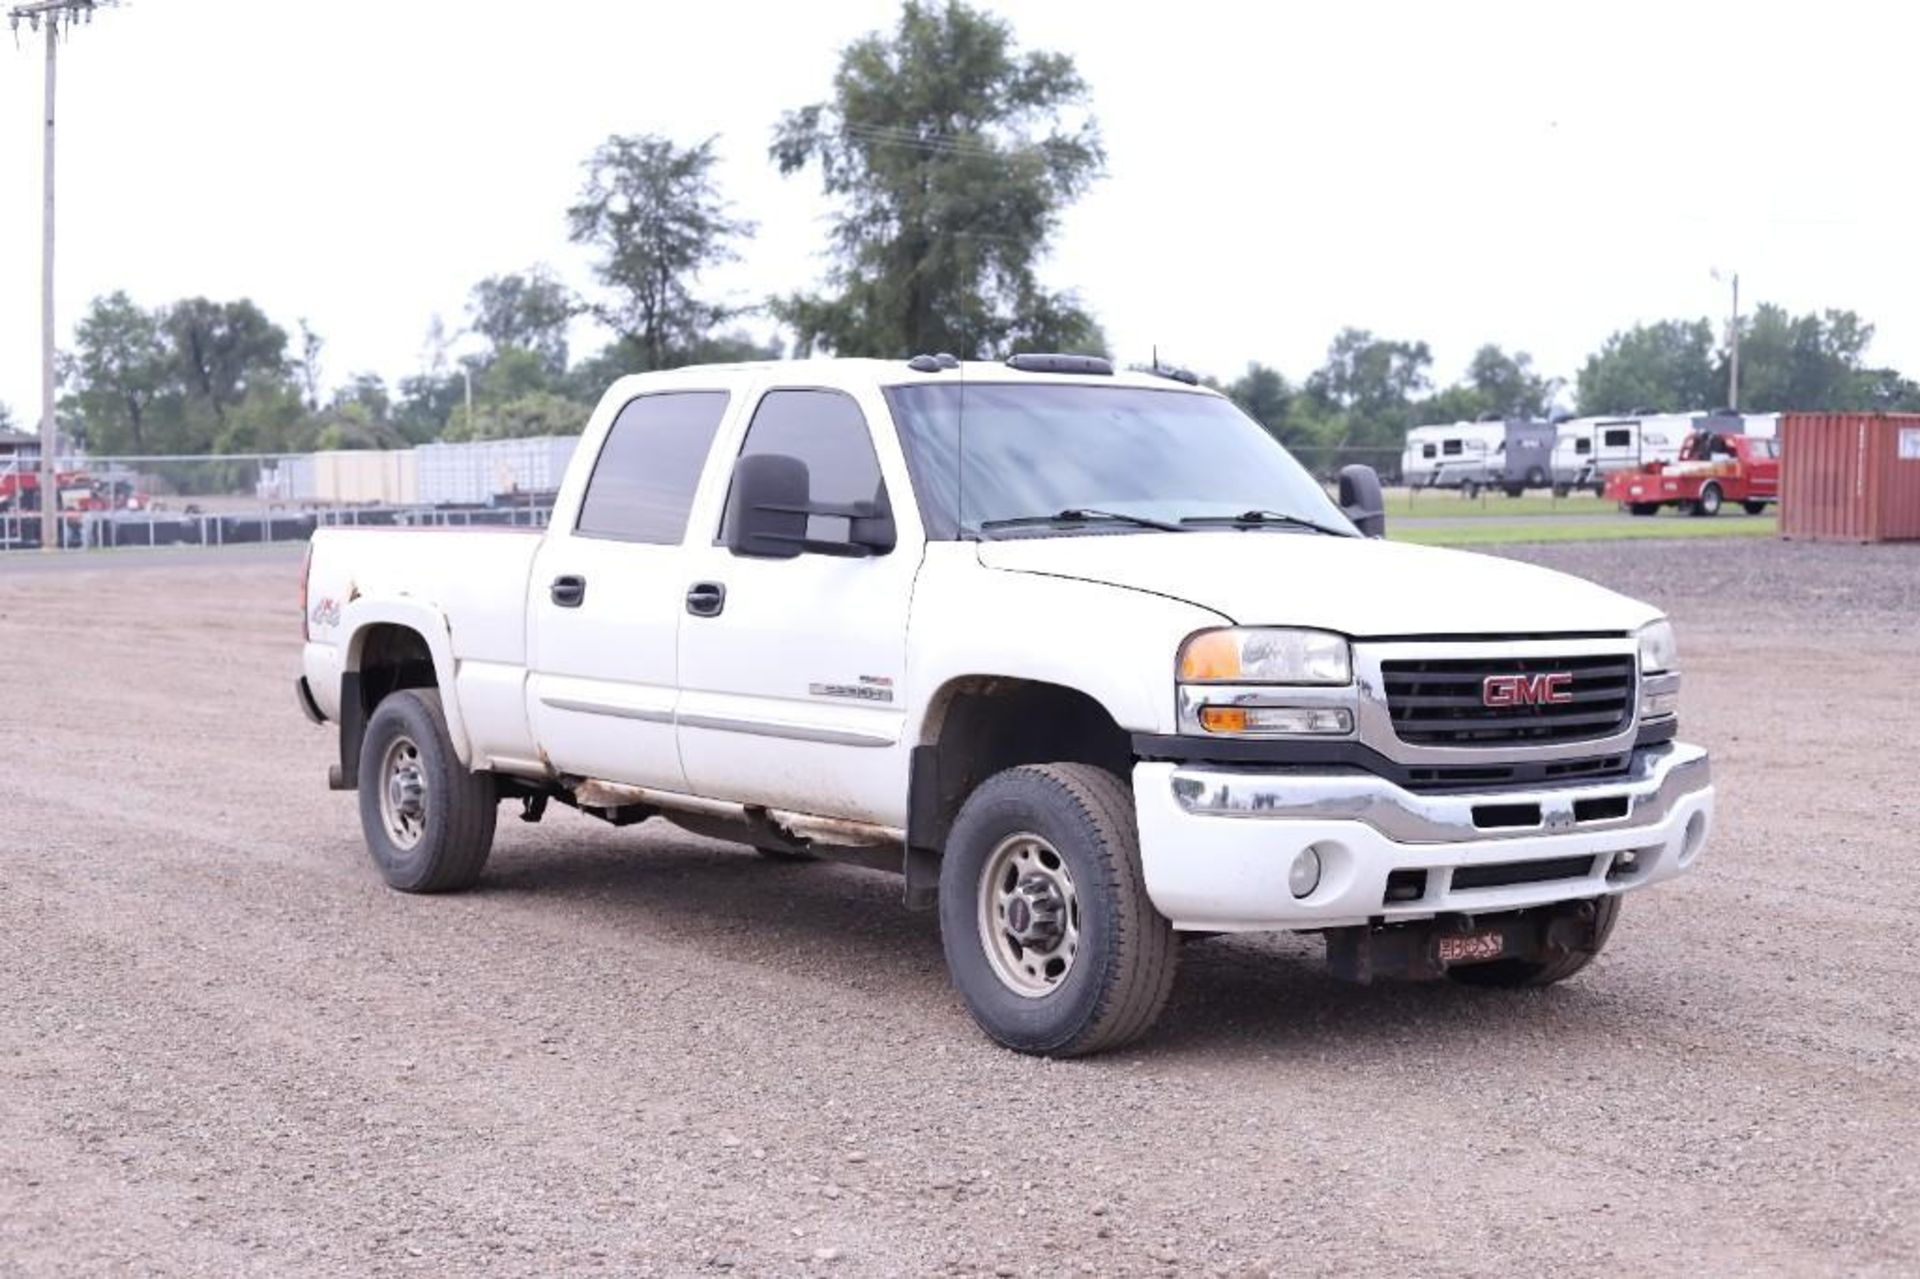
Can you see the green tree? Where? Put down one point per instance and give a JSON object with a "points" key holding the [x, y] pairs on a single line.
{"points": [[534, 413], [952, 156], [652, 210], [1366, 388], [1496, 383], [1265, 396], [1811, 362], [1664, 367], [120, 376], [529, 311], [220, 352]]}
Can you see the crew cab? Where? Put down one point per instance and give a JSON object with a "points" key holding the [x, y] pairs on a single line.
{"points": [[1714, 468], [1086, 657]]}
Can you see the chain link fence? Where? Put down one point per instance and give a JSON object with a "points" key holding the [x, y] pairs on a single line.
{"points": [[250, 499]]}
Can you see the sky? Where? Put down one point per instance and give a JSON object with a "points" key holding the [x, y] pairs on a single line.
{"points": [[1536, 175]]}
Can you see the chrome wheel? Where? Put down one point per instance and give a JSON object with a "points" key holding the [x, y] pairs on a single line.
{"points": [[403, 795], [1029, 916]]}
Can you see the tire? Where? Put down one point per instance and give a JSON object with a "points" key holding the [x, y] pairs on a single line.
{"points": [[1513, 974], [1643, 508], [1562, 490], [450, 811], [1536, 478], [1470, 489], [1514, 490], [1054, 831], [1754, 508], [1709, 502]]}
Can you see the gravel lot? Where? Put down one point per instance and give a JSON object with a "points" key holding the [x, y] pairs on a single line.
{"points": [[226, 1048]]}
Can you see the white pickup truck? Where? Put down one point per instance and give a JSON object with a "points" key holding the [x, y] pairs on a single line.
{"points": [[1086, 656]]}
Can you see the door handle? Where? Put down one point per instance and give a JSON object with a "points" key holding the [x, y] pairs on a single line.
{"points": [[706, 599], [569, 591]]}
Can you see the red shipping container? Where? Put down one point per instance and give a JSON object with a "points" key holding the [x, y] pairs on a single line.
{"points": [[1850, 477]]}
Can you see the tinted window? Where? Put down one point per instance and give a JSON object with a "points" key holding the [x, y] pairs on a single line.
{"points": [[1452, 448], [1618, 439], [827, 431], [643, 482], [1426, 450], [1583, 445]]}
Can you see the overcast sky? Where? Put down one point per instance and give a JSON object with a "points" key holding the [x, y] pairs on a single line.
{"points": [[1536, 175]]}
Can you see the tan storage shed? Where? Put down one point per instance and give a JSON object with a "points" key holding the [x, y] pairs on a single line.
{"points": [[1850, 477]]}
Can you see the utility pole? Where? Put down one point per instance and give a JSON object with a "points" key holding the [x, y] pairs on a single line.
{"points": [[51, 15], [1733, 347]]}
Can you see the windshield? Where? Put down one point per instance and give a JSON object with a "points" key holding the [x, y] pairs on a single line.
{"points": [[1035, 451]]}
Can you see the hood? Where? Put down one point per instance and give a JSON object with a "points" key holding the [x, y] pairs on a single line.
{"points": [[1359, 587]]}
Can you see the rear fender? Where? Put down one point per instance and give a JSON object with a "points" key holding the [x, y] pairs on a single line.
{"points": [[359, 617]]}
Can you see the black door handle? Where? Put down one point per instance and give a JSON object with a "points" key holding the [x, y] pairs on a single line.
{"points": [[569, 591], [706, 599]]}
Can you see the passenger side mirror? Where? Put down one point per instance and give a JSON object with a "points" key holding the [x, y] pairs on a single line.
{"points": [[772, 501], [1362, 500]]}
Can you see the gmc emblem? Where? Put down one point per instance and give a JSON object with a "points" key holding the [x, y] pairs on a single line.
{"points": [[1527, 690]]}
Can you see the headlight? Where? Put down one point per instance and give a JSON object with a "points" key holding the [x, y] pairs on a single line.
{"points": [[1658, 651], [1266, 656]]}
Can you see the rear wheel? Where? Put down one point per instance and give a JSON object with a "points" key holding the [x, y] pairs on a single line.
{"points": [[1044, 914], [1754, 508], [428, 821], [1512, 973], [1644, 508], [1709, 501]]}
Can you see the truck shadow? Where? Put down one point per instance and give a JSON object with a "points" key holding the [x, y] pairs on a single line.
{"points": [[1255, 996]]}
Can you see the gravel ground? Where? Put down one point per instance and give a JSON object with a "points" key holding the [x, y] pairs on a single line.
{"points": [[226, 1048]]}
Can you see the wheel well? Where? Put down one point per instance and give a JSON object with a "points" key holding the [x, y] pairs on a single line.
{"points": [[979, 726], [385, 658]]}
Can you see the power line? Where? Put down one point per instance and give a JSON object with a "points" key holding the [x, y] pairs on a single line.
{"points": [[50, 16]]}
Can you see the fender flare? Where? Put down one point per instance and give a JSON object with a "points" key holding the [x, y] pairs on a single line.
{"points": [[430, 624]]}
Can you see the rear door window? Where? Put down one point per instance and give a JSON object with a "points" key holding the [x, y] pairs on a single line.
{"points": [[643, 482]]}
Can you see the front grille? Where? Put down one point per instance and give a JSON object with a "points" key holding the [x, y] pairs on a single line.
{"points": [[1509, 874], [1441, 778], [1441, 702]]}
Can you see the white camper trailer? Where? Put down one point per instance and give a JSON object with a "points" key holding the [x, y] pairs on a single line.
{"points": [[1464, 455], [1588, 449]]}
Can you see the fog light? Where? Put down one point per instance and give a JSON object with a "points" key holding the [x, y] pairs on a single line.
{"points": [[1305, 875], [1277, 719]]}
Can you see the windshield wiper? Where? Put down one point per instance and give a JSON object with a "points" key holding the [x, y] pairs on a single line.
{"points": [[1258, 519], [1082, 515]]}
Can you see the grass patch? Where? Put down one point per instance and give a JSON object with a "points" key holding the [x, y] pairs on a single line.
{"points": [[1490, 533], [1447, 503]]}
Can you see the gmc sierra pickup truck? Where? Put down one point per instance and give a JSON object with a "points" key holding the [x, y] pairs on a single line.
{"points": [[1085, 656]]}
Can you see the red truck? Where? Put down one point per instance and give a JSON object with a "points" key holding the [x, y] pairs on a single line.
{"points": [[1713, 468]]}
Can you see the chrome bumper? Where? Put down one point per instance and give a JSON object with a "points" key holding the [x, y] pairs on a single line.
{"points": [[1658, 779]]}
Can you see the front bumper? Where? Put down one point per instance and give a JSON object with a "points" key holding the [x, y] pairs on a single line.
{"points": [[1217, 842]]}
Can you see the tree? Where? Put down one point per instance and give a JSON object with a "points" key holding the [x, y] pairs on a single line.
{"points": [[1811, 362], [221, 351], [534, 413], [1263, 394], [1663, 367], [308, 365], [120, 371], [952, 157], [652, 210], [1366, 387], [530, 311], [1496, 383], [6, 418]]}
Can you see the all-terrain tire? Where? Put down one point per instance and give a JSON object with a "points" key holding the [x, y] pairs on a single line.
{"points": [[457, 809], [1120, 976], [1515, 973]]}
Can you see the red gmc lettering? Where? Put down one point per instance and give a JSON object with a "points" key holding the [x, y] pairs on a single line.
{"points": [[1526, 690]]}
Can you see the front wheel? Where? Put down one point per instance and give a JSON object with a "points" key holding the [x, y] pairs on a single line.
{"points": [[1044, 915], [428, 821], [1514, 973]]}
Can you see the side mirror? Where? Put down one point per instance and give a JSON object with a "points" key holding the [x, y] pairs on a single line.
{"points": [[772, 500], [1362, 500]]}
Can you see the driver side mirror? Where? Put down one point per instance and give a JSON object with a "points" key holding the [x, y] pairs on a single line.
{"points": [[772, 500], [1362, 501]]}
